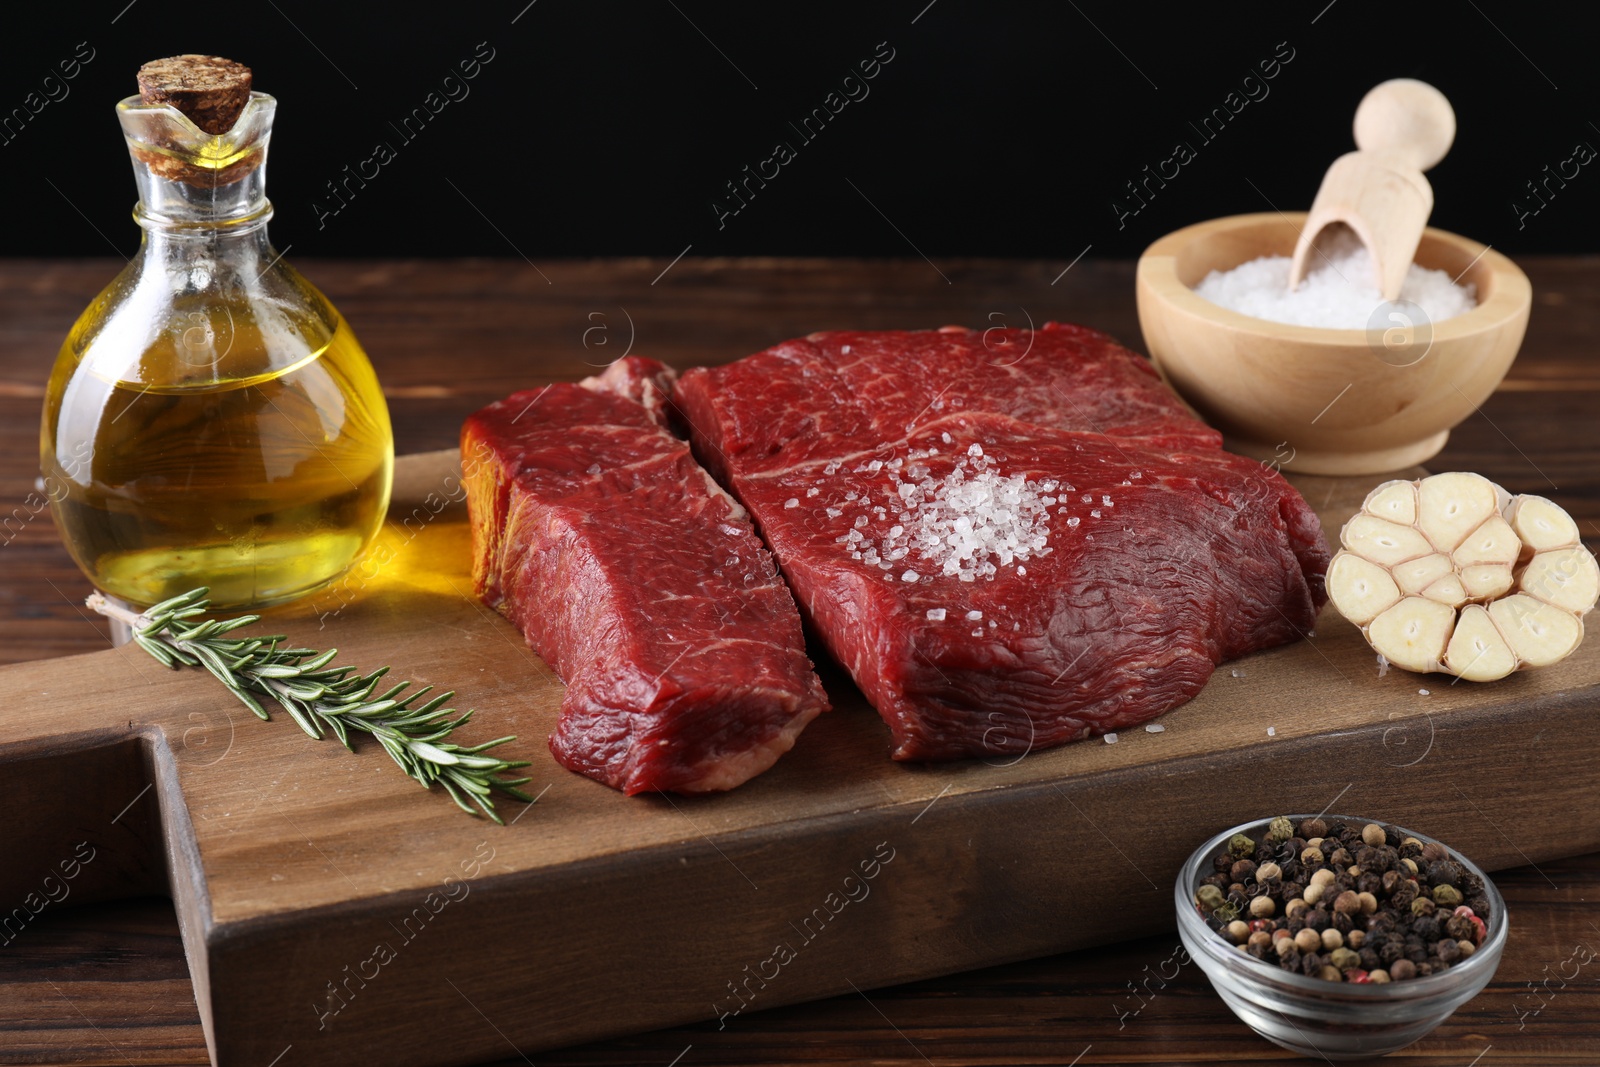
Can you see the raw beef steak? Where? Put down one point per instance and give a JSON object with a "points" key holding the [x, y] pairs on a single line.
{"points": [[640, 581], [1011, 539]]}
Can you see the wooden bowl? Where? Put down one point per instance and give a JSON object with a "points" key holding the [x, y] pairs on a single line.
{"points": [[1323, 401]]}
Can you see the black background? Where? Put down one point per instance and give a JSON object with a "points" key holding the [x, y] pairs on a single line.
{"points": [[996, 130]]}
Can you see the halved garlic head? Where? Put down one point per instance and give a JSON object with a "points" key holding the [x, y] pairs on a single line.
{"points": [[1451, 573]]}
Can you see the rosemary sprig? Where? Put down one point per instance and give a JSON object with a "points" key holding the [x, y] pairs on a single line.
{"points": [[320, 697]]}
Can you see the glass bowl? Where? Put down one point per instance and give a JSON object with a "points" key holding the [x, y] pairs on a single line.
{"points": [[1319, 1018]]}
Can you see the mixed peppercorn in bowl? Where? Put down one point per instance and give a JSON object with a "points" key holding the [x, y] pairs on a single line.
{"points": [[1339, 937]]}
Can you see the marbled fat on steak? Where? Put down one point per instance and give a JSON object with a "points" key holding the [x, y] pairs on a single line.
{"points": [[635, 576], [1112, 554]]}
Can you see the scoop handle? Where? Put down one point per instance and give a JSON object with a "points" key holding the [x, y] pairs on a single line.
{"points": [[1406, 120]]}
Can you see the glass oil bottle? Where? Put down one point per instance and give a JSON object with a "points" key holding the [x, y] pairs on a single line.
{"points": [[211, 418]]}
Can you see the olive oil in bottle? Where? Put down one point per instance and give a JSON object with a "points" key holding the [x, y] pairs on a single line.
{"points": [[211, 419]]}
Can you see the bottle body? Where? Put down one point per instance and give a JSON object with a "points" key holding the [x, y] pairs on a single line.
{"points": [[203, 426], [211, 418]]}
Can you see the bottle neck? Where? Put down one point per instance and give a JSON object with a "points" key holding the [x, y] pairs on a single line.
{"points": [[183, 207], [195, 184]]}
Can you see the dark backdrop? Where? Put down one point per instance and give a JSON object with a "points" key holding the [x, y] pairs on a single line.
{"points": [[613, 128]]}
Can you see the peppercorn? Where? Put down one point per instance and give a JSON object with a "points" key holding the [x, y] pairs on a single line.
{"points": [[1312, 856], [1458, 927], [1381, 923], [1402, 970], [1373, 834], [1268, 873], [1404, 894], [1310, 963], [1317, 919], [1332, 939], [1344, 959], [1221, 862], [1237, 931], [1369, 884], [1479, 905], [1368, 902], [1347, 902], [1390, 880], [1378, 977], [1297, 906], [1467, 947], [1313, 892], [1446, 896], [1241, 846], [1391, 951], [1288, 951], [1445, 872], [1280, 830], [1310, 828], [1410, 865], [1330, 974], [1355, 938], [1448, 951], [1433, 851], [1341, 857], [1423, 906], [1262, 906], [1243, 871], [1209, 898], [1308, 940], [1290, 891], [1369, 959], [1410, 848]]}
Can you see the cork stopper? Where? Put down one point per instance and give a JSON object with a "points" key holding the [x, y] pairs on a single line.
{"points": [[209, 90]]}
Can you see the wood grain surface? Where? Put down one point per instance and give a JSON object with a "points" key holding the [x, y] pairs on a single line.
{"points": [[449, 337]]}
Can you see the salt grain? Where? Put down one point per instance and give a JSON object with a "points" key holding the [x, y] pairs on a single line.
{"points": [[1272, 731], [1111, 739], [972, 521], [936, 614], [1073, 521], [1341, 293], [1154, 728], [792, 502], [974, 615], [1422, 692], [910, 576]]}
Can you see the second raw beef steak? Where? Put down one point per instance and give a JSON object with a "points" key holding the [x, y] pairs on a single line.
{"points": [[1011, 539]]}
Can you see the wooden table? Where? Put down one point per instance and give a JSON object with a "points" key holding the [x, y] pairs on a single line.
{"points": [[107, 984]]}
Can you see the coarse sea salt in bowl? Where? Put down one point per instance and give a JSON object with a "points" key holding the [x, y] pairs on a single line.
{"points": [[1358, 400], [1322, 1019]]}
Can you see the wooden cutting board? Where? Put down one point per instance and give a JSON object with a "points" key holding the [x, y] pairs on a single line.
{"points": [[334, 912]]}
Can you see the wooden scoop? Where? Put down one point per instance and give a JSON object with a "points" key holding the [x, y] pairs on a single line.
{"points": [[1403, 127]]}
